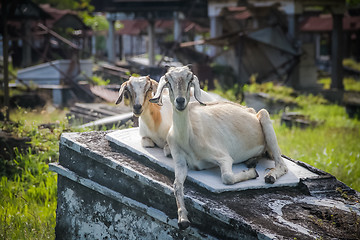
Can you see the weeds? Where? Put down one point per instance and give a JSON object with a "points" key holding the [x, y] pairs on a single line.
{"points": [[350, 84], [332, 146], [28, 192]]}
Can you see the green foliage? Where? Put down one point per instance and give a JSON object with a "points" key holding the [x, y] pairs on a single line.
{"points": [[283, 93], [350, 84], [78, 5], [28, 194], [332, 146], [100, 81], [287, 94], [97, 22], [118, 25], [27, 206], [232, 94], [351, 63], [353, 3]]}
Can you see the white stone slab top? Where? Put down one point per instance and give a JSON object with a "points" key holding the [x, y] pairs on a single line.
{"points": [[211, 178]]}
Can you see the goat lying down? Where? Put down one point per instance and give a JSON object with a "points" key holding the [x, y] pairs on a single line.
{"points": [[216, 134], [154, 120]]}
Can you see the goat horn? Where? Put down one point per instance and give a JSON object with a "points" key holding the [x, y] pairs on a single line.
{"points": [[157, 98]]}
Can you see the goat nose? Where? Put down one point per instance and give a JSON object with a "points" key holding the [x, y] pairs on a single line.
{"points": [[137, 106], [180, 100]]}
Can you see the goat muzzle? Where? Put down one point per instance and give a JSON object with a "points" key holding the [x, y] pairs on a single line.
{"points": [[180, 103], [137, 109]]}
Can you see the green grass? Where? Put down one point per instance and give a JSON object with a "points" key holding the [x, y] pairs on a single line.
{"points": [[28, 190], [28, 194], [350, 84], [332, 146]]}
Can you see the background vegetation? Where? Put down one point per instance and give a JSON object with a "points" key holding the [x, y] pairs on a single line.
{"points": [[27, 187]]}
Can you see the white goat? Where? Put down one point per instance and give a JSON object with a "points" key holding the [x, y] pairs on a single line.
{"points": [[218, 134], [154, 120]]}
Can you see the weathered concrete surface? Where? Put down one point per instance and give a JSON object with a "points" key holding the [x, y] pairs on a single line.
{"points": [[104, 193]]}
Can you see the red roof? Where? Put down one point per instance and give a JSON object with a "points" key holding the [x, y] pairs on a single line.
{"points": [[324, 23]]}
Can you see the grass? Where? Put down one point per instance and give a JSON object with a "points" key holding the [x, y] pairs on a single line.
{"points": [[28, 189], [350, 84], [333, 146], [28, 194]]}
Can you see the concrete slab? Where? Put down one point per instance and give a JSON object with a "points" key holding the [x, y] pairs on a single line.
{"points": [[210, 179], [109, 121]]}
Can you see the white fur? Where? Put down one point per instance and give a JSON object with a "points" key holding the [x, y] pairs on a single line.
{"points": [[218, 134]]}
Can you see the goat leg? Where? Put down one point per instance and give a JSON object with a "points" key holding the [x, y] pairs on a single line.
{"points": [[180, 176], [229, 177], [272, 146]]}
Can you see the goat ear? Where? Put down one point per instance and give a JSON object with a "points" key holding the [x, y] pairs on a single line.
{"points": [[123, 88], [157, 98], [197, 90], [154, 85]]}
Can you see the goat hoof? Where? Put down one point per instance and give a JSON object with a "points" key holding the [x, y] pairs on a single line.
{"points": [[184, 224], [257, 174], [270, 179], [147, 142]]}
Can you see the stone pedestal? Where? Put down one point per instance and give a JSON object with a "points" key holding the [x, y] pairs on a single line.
{"points": [[109, 191]]}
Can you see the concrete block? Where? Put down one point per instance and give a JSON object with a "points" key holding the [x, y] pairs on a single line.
{"points": [[109, 192]]}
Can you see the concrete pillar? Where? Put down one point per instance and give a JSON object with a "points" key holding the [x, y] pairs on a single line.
{"points": [[151, 42], [121, 50], [293, 28], [293, 33], [337, 48], [111, 41], [5, 49], [215, 31], [177, 27], [317, 45], [93, 44]]}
